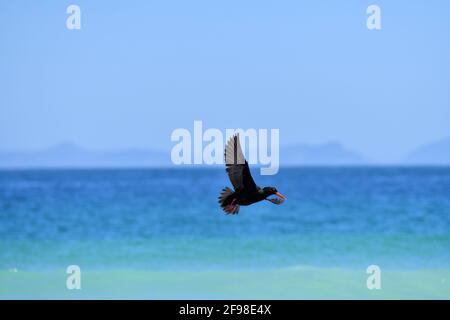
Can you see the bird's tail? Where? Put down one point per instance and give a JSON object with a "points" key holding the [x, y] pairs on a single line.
{"points": [[225, 197], [228, 201]]}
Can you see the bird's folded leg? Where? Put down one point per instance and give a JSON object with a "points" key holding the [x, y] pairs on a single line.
{"points": [[232, 208], [275, 200]]}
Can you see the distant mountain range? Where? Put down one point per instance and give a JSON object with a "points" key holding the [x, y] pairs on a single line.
{"points": [[71, 155], [437, 153], [331, 153]]}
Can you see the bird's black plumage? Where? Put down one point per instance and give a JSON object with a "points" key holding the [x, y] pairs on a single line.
{"points": [[246, 191]]}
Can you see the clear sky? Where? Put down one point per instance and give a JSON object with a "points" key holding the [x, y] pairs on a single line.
{"points": [[139, 69]]}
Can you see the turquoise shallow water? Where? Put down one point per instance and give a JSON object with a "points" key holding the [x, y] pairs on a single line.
{"points": [[159, 233]]}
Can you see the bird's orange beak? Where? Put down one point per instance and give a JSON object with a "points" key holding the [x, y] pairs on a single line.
{"points": [[280, 195]]}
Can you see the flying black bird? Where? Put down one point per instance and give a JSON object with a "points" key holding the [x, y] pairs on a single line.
{"points": [[245, 191]]}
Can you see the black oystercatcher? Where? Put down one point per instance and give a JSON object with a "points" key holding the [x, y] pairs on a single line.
{"points": [[245, 191]]}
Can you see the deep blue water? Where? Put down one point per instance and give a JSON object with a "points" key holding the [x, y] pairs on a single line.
{"points": [[170, 219]]}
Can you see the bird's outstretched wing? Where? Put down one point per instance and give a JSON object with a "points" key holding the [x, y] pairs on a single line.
{"points": [[237, 167]]}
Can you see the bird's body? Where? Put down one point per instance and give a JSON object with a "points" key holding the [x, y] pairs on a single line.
{"points": [[245, 198], [246, 192]]}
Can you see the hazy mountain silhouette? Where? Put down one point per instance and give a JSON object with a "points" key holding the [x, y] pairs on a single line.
{"points": [[432, 153], [71, 155], [330, 153]]}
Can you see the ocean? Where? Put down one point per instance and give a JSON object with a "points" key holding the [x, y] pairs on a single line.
{"points": [[160, 234]]}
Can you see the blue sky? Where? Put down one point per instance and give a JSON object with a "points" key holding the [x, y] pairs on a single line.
{"points": [[139, 69]]}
